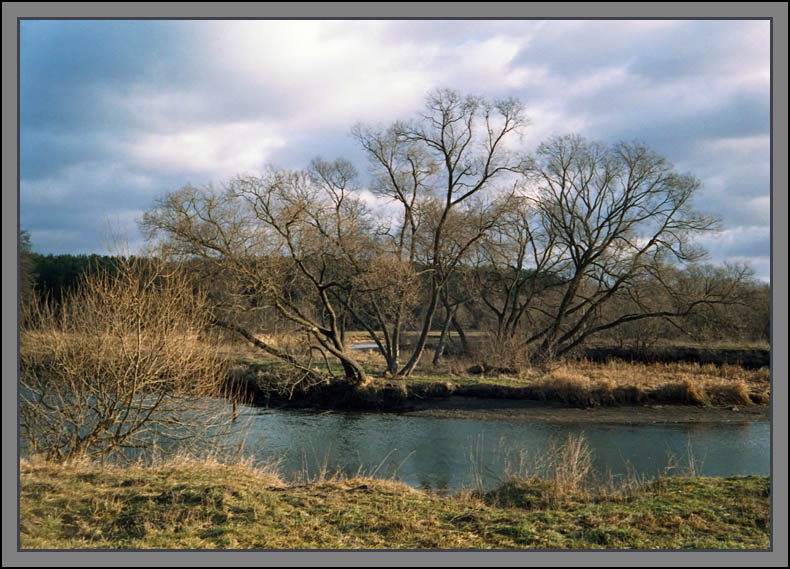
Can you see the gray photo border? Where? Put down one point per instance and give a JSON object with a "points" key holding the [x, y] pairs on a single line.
{"points": [[355, 10]]}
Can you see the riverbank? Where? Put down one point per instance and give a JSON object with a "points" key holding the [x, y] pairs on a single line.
{"points": [[626, 391], [207, 505]]}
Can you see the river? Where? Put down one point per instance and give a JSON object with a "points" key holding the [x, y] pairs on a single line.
{"points": [[453, 453]]}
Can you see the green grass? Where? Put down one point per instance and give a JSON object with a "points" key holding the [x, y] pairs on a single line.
{"points": [[207, 505]]}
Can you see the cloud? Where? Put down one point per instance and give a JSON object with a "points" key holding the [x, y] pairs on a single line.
{"points": [[222, 150], [746, 244], [114, 113], [743, 241]]}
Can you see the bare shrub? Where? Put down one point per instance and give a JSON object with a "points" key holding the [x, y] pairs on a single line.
{"points": [[119, 366], [505, 353], [286, 381]]}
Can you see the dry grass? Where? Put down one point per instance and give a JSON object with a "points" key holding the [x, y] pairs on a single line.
{"points": [[565, 472], [587, 383]]}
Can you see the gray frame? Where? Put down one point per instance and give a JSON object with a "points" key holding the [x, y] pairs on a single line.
{"points": [[775, 10]]}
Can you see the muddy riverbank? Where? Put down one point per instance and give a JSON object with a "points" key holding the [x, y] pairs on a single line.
{"points": [[519, 409]]}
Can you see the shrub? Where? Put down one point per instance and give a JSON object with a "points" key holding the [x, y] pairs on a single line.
{"points": [[118, 365]]}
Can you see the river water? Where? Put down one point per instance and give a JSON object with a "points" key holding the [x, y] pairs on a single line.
{"points": [[451, 453]]}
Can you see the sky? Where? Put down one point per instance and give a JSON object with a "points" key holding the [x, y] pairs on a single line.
{"points": [[114, 114]]}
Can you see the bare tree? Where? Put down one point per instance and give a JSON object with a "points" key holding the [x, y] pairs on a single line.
{"points": [[708, 301], [617, 215], [515, 264], [454, 153], [283, 241], [401, 171], [119, 365]]}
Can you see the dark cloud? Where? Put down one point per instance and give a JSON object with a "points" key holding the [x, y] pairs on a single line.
{"points": [[43, 154], [679, 130], [103, 78], [66, 66], [72, 212]]}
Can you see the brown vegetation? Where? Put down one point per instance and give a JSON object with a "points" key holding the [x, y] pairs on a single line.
{"points": [[580, 383]]}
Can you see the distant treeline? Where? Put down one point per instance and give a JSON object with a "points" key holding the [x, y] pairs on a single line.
{"points": [[54, 276]]}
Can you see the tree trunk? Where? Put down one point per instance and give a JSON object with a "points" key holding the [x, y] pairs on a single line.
{"points": [[440, 346], [420, 347], [461, 335], [355, 374]]}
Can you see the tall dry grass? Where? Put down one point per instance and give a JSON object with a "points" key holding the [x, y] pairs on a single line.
{"points": [[564, 472]]}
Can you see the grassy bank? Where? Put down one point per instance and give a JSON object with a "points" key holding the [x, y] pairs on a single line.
{"points": [[203, 504]]}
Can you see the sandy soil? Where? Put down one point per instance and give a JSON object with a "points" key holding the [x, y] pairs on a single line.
{"points": [[514, 409]]}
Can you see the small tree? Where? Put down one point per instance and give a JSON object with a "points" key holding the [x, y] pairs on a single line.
{"points": [[26, 268], [118, 365]]}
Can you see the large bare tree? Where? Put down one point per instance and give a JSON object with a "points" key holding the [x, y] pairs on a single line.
{"points": [[448, 162]]}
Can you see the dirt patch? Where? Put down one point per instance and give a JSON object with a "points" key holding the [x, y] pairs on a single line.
{"points": [[515, 409]]}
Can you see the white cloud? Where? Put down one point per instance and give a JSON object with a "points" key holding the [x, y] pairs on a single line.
{"points": [[209, 150], [750, 147], [329, 72]]}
